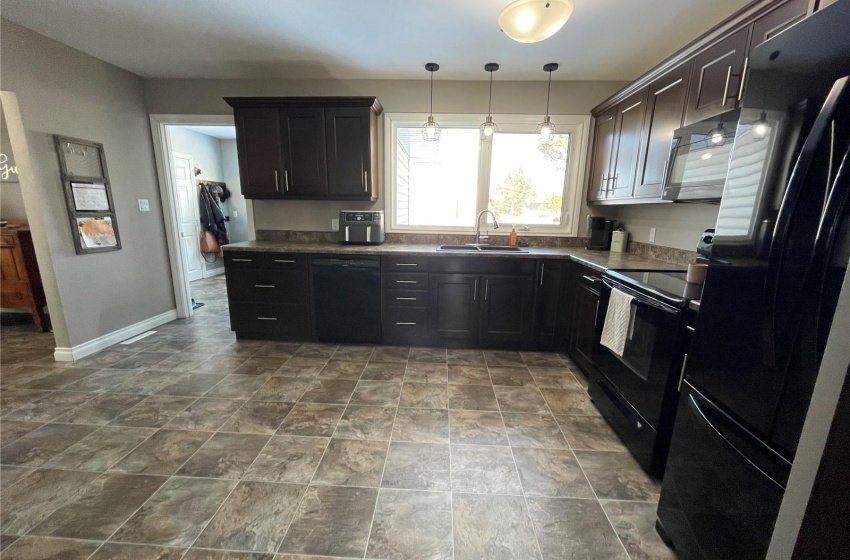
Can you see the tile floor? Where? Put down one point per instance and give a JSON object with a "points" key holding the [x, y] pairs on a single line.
{"points": [[190, 444]]}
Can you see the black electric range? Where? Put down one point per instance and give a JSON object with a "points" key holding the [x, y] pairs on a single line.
{"points": [[638, 392]]}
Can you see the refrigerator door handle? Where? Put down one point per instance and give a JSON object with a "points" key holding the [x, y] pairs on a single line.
{"points": [[796, 184], [703, 419]]}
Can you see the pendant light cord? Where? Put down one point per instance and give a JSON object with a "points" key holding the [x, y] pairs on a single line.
{"points": [[490, 102], [432, 93], [548, 94]]}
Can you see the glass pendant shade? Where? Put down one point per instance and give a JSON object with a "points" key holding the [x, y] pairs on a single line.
{"points": [[716, 136], [546, 130], [489, 128], [531, 21], [431, 131]]}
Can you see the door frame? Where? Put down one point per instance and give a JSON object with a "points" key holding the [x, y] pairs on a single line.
{"points": [[165, 172]]}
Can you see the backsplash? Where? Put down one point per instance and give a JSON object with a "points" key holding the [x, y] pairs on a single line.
{"points": [[667, 254]]}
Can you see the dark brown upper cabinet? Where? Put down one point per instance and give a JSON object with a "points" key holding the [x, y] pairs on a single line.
{"points": [[777, 21], [307, 148], [716, 77], [350, 143], [664, 109], [627, 138], [603, 155], [258, 147], [305, 171]]}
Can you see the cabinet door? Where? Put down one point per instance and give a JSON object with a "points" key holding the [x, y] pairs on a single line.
{"points": [[716, 77], [628, 128], [303, 134], [584, 323], [349, 151], [258, 147], [603, 153], [549, 304], [664, 109], [507, 308], [773, 23], [453, 302]]}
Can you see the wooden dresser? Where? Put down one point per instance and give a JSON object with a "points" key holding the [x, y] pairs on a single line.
{"points": [[20, 283]]}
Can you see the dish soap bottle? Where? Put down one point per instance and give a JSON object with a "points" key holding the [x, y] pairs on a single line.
{"points": [[512, 241]]}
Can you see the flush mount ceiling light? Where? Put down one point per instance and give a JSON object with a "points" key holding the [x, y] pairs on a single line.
{"points": [[531, 21], [431, 130], [489, 127], [546, 129]]}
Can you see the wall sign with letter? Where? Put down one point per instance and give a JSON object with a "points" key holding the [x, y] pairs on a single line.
{"points": [[88, 195]]}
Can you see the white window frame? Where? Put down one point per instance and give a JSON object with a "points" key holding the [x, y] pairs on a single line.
{"points": [[578, 126]]}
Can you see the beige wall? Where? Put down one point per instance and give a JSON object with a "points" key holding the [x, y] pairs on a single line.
{"points": [[396, 96], [677, 225], [63, 91]]}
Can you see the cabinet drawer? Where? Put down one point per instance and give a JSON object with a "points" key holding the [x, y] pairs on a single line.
{"points": [[406, 298], [403, 281], [406, 264], [290, 287], [286, 261], [274, 322], [243, 259], [406, 316], [15, 299], [483, 265]]}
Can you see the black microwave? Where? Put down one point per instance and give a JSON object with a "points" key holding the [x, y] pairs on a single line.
{"points": [[699, 159]]}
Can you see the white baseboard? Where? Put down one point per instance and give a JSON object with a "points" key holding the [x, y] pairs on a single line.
{"points": [[209, 273], [87, 348]]}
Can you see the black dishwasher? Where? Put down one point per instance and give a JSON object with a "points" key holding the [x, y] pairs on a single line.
{"points": [[347, 295]]}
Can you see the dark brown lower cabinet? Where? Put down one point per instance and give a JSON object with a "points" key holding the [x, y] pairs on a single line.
{"points": [[584, 324], [506, 310], [454, 301], [551, 305]]}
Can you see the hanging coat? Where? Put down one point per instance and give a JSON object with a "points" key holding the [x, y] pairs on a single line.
{"points": [[212, 218]]}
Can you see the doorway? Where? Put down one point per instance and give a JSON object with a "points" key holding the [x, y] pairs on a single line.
{"points": [[195, 153]]}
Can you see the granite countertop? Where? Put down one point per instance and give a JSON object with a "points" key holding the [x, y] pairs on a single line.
{"points": [[600, 260]]}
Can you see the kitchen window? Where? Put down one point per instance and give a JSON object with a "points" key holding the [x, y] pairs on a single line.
{"points": [[439, 187]]}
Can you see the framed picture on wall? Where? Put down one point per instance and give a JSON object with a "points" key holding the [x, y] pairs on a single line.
{"points": [[88, 195]]}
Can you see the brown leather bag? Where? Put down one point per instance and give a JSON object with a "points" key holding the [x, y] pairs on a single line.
{"points": [[209, 243]]}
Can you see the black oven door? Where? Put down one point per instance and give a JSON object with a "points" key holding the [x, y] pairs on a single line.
{"points": [[642, 375]]}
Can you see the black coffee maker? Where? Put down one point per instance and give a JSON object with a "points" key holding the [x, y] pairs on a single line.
{"points": [[599, 233]]}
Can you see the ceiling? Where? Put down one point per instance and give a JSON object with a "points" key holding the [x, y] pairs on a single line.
{"points": [[374, 39], [220, 132]]}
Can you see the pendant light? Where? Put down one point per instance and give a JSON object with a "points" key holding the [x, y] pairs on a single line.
{"points": [[761, 127], [716, 136], [431, 131], [546, 129], [531, 21], [489, 128]]}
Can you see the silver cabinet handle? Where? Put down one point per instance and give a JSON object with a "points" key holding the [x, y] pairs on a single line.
{"points": [[406, 264], [284, 260], [242, 260], [590, 279], [486, 289], [365, 181], [267, 318], [596, 315], [263, 286], [406, 298], [743, 77], [726, 87], [286, 178], [690, 328], [405, 281], [276, 182], [542, 272], [404, 323], [475, 292], [682, 373]]}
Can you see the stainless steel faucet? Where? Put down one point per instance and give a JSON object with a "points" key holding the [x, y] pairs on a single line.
{"points": [[478, 226]]}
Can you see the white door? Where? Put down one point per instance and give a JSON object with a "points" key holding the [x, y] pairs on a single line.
{"points": [[187, 216]]}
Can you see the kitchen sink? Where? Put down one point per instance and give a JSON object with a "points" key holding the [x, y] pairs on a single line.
{"points": [[477, 248]]}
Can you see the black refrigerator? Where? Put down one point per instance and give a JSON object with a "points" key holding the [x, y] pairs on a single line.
{"points": [[780, 253]]}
